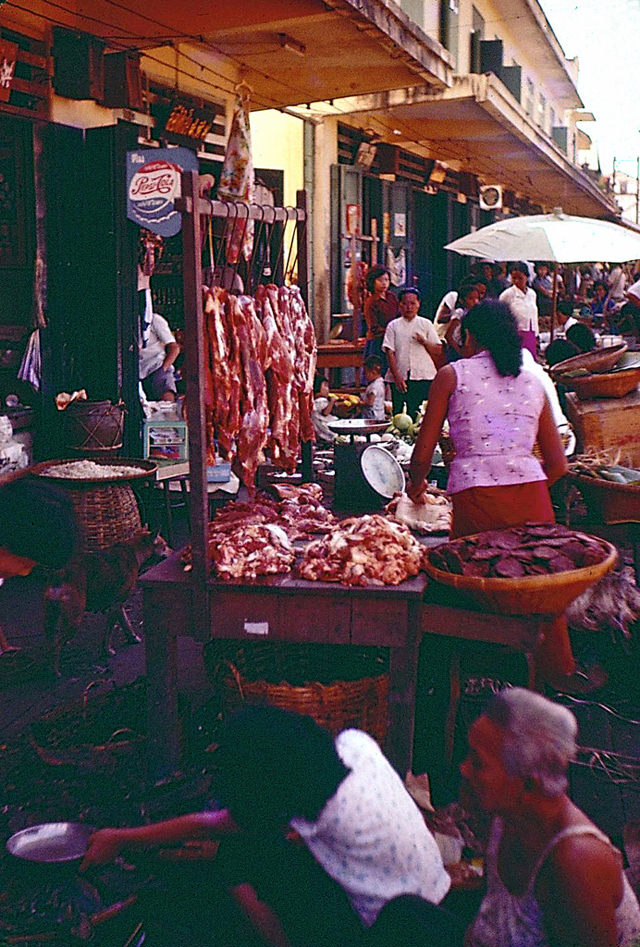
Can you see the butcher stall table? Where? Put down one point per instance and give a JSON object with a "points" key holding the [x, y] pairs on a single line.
{"points": [[277, 608]]}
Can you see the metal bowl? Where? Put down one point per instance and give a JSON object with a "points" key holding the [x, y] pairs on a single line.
{"points": [[51, 842]]}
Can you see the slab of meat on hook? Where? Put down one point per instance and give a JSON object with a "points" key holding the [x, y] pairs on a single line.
{"points": [[252, 340]]}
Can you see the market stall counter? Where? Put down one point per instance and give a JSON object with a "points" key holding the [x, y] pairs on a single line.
{"points": [[280, 608]]}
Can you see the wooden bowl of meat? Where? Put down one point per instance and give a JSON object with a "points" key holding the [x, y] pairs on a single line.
{"points": [[538, 569]]}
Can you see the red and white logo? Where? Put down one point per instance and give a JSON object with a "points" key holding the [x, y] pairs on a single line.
{"points": [[154, 187]]}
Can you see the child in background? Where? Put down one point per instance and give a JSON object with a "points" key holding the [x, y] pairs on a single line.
{"points": [[321, 414], [373, 398]]}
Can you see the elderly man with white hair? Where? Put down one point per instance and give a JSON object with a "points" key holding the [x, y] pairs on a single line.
{"points": [[553, 878]]}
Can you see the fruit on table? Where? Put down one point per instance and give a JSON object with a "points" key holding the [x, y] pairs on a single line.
{"points": [[403, 421]]}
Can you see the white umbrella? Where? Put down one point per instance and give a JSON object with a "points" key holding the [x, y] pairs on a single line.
{"points": [[555, 237]]}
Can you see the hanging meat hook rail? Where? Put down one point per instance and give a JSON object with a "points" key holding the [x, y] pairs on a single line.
{"points": [[213, 207], [195, 210]]}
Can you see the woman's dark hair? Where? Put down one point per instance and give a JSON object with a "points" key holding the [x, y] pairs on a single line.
{"points": [[520, 267], [565, 306], [558, 351], [494, 328], [274, 765], [600, 282], [409, 289], [317, 383], [373, 362], [464, 288], [582, 337], [375, 273]]}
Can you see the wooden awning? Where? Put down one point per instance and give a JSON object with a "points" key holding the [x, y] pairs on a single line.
{"points": [[289, 51], [477, 126]]}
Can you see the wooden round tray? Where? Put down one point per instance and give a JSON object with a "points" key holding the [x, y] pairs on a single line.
{"points": [[530, 595], [147, 469], [600, 360], [610, 502], [606, 385]]}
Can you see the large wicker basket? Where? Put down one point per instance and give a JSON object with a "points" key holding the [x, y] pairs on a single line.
{"points": [[339, 687], [603, 385], [532, 594], [95, 730], [610, 502], [103, 729], [600, 360], [106, 510]]}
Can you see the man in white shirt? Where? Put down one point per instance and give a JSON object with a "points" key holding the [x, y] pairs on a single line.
{"points": [[156, 357], [414, 353]]}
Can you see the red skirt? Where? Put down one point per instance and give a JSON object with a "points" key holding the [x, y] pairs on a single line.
{"points": [[481, 508]]}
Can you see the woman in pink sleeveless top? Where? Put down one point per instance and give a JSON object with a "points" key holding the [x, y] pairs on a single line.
{"points": [[497, 413]]}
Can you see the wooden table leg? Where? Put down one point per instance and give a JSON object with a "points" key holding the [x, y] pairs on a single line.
{"points": [[633, 531], [454, 702], [403, 663], [162, 686]]}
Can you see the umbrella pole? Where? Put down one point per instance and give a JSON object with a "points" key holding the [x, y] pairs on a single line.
{"points": [[554, 303]]}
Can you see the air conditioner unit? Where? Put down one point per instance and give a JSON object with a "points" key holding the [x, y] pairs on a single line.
{"points": [[490, 196]]}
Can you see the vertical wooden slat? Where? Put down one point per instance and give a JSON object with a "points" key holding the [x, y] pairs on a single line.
{"points": [[195, 366], [302, 236]]}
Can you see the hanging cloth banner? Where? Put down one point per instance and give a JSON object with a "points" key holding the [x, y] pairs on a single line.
{"points": [[153, 183], [237, 179]]}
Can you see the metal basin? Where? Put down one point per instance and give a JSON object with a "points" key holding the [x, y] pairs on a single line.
{"points": [[51, 843]]}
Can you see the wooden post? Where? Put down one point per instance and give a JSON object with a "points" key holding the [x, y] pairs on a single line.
{"points": [[195, 365], [554, 303], [302, 236]]}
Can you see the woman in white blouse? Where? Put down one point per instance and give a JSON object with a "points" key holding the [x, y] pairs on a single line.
{"points": [[523, 303]]}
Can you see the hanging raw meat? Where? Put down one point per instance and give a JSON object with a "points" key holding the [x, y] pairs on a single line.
{"points": [[254, 407], [282, 397], [222, 358], [259, 366], [305, 363]]}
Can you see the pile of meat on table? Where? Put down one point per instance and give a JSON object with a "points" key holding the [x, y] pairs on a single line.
{"points": [[249, 539], [363, 550], [260, 358], [513, 553]]}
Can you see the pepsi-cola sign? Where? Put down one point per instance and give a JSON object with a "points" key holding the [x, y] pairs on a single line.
{"points": [[153, 183]]}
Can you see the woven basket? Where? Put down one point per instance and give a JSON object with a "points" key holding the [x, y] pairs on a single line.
{"points": [[605, 385], [610, 502], [532, 594], [600, 360], [94, 730], [105, 514], [339, 687]]}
